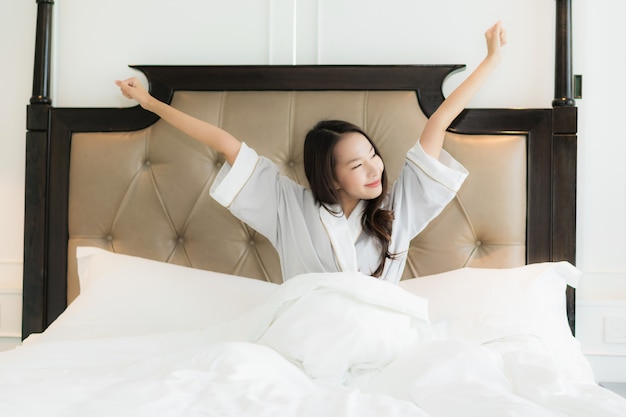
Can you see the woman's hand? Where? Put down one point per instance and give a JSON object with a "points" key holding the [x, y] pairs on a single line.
{"points": [[133, 89], [496, 38]]}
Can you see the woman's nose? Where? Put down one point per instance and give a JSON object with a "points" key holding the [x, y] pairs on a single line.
{"points": [[373, 169], [376, 166]]}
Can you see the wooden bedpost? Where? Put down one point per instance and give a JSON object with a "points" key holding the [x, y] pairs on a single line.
{"points": [[34, 317], [564, 149], [563, 91], [43, 42]]}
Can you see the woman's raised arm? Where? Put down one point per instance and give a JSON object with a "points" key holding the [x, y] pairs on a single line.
{"points": [[211, 135], [435, 129]]}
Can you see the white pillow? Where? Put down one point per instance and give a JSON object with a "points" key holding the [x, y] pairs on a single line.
{"points": [[482, 305], [123, 295]]}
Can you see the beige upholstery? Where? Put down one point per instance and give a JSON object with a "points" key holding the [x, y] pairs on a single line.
{"points": [[145, 193]]}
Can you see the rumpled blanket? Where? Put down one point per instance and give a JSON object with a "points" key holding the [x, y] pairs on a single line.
{"points": [[321, 345]]}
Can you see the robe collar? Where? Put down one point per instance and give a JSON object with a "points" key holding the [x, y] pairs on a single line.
{"points": [[343, 233]]}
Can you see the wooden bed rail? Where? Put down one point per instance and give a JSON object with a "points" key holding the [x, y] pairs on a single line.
{"points": [[35, 313], [564, 149]]}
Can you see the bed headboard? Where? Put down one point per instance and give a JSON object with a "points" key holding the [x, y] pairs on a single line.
{"points": [[125, 181]]}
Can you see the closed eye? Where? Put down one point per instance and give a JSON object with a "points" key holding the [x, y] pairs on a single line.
{"points": [[373, 155]]}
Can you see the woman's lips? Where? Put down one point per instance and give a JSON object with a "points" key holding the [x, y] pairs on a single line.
{"points": [[373, 184]]}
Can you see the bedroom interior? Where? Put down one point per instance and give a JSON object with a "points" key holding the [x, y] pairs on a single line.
{"points": [[547, 222]]}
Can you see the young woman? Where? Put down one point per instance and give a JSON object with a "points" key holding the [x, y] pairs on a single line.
{"points": [[348, 220]]}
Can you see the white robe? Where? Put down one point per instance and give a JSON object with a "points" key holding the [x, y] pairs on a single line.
{"points": [[310, 239]]}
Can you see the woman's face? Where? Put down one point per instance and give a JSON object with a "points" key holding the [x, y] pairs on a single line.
{"points": [[358, 170]]}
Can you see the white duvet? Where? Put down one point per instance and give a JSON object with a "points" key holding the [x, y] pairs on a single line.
{"points": [[319, 345]]}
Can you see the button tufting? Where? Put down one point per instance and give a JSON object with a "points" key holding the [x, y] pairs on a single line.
{"points": [[109, 238], [291, 164], [479, 243], [181, 240], [147, 163], [251, 243]]}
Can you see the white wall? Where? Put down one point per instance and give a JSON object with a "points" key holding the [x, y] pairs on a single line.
{"points": [[311, 32], [17, 41], [600, 42], [95, 41]]}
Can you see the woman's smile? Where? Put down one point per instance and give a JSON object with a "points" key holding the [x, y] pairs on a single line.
{"points": [[373, 184]]}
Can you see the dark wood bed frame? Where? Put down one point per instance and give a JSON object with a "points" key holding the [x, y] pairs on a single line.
{"points": [[551, 132]]}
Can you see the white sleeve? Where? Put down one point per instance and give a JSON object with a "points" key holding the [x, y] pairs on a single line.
{"points": [[425, 186], [255, 192], [447, 171], [231, 179]]}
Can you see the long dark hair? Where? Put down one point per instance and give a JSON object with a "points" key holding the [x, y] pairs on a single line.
{"points": [[319, 167]]}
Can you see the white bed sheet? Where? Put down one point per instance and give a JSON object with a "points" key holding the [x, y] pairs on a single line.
{"points": [[321, 344]]}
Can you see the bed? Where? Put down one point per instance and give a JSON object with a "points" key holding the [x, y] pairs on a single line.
{"points": [[144, 296]]}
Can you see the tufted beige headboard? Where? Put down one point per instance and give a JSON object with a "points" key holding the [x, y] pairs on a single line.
{"points": [[122, 180], [145, 193]]}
